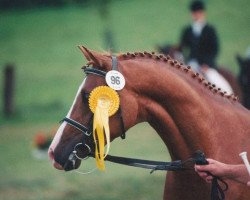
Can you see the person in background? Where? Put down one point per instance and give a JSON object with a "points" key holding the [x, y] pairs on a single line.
{"points": [[200, 39], [199, 43], [236, 173]]}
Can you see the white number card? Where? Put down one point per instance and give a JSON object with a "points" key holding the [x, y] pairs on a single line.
{"points": [[115, 80]]}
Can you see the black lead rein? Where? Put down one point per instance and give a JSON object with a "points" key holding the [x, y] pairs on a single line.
{"points": [[217, 192]]}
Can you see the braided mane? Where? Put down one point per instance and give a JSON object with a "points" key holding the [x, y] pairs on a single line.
{"points": [[181, 67]]}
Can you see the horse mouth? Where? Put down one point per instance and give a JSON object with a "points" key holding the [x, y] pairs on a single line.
{"points": [[70, 160], [71, 165]]}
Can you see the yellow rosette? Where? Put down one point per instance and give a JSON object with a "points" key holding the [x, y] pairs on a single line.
{"points": [[103, 102]]}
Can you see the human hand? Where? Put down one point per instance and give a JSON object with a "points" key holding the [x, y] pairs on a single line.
{"points": [[214, 167]]}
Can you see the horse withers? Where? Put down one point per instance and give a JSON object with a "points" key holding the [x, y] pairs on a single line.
{"points": [[187, 112]]}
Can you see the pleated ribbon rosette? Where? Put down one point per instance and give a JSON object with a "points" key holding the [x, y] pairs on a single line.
{"points": [[103, 102]]}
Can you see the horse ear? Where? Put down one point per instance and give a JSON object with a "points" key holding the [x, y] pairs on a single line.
{"points": [[90, 55]]}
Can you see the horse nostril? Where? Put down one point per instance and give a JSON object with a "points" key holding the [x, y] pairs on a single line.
{"points": [[52, 158], [51, 154]]}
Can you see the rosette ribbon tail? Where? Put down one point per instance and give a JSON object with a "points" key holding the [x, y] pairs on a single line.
{"points": [[101, 133], [103, 102]]}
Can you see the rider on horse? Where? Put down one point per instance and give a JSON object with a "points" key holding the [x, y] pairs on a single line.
{"points": [[199, 40]]}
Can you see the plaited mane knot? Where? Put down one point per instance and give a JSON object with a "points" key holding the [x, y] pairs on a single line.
{"points": [[187, 69], [222, 93], [210, 87], [194, 75], [178, 65], [168, 57], [231, 96], [141, 54], [171, 62], [235, 98], [215, 90], [206, 83], [148, 54]]}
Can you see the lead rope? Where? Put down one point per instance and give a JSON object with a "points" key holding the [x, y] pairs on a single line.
{"points": [[217, 193]]}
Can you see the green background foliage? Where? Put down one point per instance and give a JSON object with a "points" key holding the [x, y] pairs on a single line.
{"points": [[41, 43]]}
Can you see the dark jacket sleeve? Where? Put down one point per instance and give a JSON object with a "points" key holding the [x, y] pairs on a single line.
{"points": [[209, 46]]}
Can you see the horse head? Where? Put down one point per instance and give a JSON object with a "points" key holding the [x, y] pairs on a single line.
{"points": [[74, 137]]}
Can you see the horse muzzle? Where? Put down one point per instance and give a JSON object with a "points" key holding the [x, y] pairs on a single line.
{"points": [[72, 160]]}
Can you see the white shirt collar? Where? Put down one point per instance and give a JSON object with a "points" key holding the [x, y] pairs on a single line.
{"points": [[197, 27]]}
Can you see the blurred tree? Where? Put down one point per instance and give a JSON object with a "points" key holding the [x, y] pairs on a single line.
{"points": [[9, 86], [107, 33]]}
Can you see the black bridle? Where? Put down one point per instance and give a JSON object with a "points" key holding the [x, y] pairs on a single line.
{"points": [[199, 158], [79, 126]]}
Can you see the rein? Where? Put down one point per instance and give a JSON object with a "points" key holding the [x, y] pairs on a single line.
{"points": [[217, 192]]}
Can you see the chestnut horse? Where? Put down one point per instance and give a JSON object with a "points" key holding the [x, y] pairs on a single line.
{"points": [[187, 112]]}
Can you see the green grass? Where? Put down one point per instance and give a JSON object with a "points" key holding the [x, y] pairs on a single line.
{"points": [[24, 177], [42, 44]]}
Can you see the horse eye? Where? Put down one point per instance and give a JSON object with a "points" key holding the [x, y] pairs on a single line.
{"points": [[85, 97]]}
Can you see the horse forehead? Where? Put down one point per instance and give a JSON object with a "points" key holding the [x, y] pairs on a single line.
{"points": [[61, 129]]}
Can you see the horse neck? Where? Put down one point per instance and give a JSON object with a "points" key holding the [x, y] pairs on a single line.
{"points": [[172, 103]]}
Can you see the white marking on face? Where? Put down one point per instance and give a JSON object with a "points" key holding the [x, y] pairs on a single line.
{"points": [[61, 128]]}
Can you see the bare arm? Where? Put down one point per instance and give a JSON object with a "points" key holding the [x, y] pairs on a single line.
{"points": [[234, 172]]}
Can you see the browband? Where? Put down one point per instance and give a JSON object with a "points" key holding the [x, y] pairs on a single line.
{"points": [[91, 70]]}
